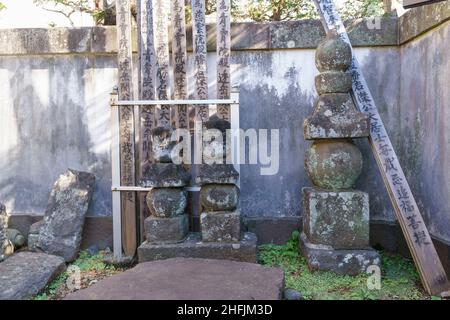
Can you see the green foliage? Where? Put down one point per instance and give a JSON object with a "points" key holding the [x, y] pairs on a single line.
{"points": [[2, 6], [256, 10], [355, 9], [85, 262], [399, 279], [280, 10]]}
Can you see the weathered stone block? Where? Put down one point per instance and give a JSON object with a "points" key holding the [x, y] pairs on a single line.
{"points": [[162, 145], [166, 230], [165, 175], [215, 146], [333, 82], [333, 164], [218, 197], [335, 116], [217, 174], [336, 219], [167, 202], [220, 226], [325, 258], [60, 233]]}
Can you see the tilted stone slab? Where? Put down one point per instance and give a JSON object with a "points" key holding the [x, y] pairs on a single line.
{"points": [[61, 230], [189, 279], [217, 174], [165, 175], [218, 197], [335, 116], [338, 219], [26, 273], [220, 226]]}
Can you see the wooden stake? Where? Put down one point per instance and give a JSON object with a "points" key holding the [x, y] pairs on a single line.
{"points": [[146, 76], [161, 30], [223, 56], [179, 58], [126, 119], [427, 261], [200, 52]]}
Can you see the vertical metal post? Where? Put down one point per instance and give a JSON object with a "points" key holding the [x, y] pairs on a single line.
{"points": [[115, 174], [235, 126]]}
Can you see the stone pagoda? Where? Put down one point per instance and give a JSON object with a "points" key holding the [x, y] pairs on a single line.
{"points": [[167, 229], [167, 201], [335, 233]]}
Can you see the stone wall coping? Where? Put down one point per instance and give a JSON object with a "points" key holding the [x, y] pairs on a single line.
{"points": [[419, 20], [302, 34]]}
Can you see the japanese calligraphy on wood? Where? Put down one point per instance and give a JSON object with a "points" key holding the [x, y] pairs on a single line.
{"points": [[126, 119], [179, 58], [416, 234], [146, 76], [223, 56], [161, 30], [200, 50]]}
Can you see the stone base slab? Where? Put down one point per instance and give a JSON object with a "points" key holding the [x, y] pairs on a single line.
{"points": [[193, 247], [325, 258]]}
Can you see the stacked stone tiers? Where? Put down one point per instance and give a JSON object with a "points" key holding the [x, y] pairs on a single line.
{"points": [[167, 235], [167, 201], [336, 218], [220, 219]]}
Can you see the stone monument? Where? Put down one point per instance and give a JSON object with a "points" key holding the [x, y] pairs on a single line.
{"points": [[220, 220], [335, 233], [167, 201], [221, 235]]}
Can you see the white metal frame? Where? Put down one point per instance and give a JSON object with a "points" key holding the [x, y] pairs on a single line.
{"points": [[116, 187]]}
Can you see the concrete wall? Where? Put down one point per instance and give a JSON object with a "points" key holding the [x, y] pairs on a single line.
{"points": [[54, 87]]}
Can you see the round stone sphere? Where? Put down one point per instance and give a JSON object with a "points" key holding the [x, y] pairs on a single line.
{"points": [[167, 202], [333, 54], [333, 164]]}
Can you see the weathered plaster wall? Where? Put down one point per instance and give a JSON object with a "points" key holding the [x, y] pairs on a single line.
{"points": [[425, 125], [55, 115], [54, 87]]}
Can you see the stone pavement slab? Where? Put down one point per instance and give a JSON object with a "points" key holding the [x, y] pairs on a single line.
{"points": [[189, 278]]}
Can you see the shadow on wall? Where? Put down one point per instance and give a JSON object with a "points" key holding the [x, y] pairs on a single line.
{"points": [[263, 107], [55, 124]]}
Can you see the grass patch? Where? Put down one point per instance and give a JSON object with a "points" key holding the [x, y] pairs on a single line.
{"points": [[399, 279], [91, 268]]}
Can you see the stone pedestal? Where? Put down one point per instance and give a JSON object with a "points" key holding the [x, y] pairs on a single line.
{"points": [[335, 218]]}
